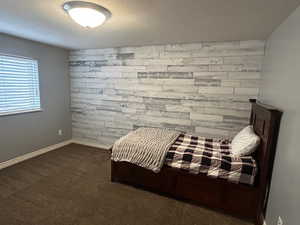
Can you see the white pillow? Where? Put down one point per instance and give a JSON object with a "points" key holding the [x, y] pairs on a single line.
{"points": [[245, 142]]}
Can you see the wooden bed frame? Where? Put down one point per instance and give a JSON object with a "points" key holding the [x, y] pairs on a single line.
{"points": [[241, 200]]}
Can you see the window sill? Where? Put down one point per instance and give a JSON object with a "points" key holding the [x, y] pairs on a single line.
{"points": [[20, 112]]}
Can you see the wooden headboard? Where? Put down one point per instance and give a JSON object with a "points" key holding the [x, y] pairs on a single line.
{"points": [[266, 121]]}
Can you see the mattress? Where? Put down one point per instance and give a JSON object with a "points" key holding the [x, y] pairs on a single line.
{"points": [[211, 157]]}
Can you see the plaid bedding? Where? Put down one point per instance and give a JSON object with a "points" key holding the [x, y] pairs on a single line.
{"points": [[211, 157]]}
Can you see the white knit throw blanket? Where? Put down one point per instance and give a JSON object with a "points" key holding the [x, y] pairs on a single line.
{"points": [[145, 147]]}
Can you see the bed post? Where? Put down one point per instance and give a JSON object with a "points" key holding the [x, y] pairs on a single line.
{"points": [[265, 121], [252, 101]]}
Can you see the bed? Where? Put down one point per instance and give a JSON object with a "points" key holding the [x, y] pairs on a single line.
{"points": [[236, 198]]}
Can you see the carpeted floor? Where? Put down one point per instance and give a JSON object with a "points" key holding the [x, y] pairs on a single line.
{"points": [[71, 186]]}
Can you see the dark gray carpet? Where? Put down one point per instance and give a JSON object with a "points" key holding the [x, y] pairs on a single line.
{"points": [[71, 186]]}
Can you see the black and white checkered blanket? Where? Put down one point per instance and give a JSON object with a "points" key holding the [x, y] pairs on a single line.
{"points": [[211, 157]]}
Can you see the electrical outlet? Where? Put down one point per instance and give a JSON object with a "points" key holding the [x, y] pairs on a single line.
{"points": [[60, 132], [279, 221]]}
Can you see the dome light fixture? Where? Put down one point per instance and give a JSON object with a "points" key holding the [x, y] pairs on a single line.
{"points": [[87, 14]]}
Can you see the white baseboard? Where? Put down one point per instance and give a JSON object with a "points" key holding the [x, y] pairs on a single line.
{"points": [[48, 149], [91, 144], [33, 154]]}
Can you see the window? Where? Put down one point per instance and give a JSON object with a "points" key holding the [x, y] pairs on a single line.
{"points": [[19, 85]]}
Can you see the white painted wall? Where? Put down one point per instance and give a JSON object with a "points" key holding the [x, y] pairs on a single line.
{"points": [[280, 87]]}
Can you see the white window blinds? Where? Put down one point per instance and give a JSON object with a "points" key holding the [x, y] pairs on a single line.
{"points": [[19, 85]]}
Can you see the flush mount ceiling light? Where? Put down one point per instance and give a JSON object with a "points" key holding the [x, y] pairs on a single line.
{"points": [[87, 14]]}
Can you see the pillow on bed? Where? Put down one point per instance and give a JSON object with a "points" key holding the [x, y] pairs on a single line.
{"points": [[245, 142]]}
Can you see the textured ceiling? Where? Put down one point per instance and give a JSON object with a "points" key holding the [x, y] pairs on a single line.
{"points": [[145, 22]]}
